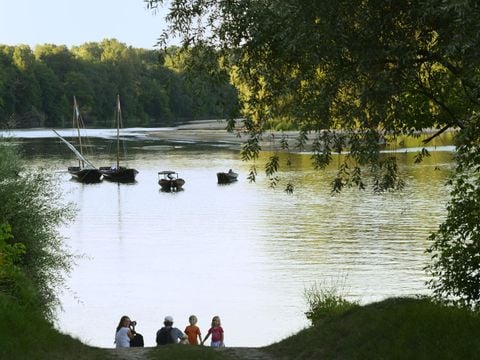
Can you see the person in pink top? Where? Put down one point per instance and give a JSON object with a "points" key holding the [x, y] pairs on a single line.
{"points": [[217, 333]]}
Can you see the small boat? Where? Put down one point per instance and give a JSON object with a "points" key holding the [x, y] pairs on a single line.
{"points": [[227, 177], [118, 173], [85, 172], [85, 175], [169, 181]]}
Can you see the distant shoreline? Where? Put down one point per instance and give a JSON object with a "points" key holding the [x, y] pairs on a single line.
{"points": [[215, 131]]}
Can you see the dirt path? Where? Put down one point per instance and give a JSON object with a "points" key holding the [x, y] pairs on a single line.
{"points": [[139, 353], [247, 353], [235, 353]]}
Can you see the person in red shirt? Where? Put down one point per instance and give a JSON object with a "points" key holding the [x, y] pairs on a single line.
{"points": [[193, 331], [217, 333]]}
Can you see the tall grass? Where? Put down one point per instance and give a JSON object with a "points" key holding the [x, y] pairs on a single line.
{"points": [[325, 300]]}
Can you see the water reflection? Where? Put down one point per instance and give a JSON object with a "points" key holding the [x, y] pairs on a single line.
{"points": [[243, 251]]}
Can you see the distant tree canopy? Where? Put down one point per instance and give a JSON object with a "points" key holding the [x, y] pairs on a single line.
{"points": [[37, 87], [352, 75]]}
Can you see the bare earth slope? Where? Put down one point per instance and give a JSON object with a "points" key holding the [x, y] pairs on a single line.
{"points": [[235, 353]]}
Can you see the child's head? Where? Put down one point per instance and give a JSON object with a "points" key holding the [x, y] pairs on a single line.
{"points": [[192, 320], [216, 321]]}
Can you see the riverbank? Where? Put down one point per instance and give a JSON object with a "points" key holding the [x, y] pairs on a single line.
{"points": [[397, 328], [214, 131]]}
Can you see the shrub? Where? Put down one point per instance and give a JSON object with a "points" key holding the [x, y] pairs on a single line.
{"points": [[33, 253], [455, 246]]}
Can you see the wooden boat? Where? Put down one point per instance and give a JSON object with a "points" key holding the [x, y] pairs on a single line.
{"points": [[118, 173], [227, 177], [169, 181], [85, 175], [85, 172]]}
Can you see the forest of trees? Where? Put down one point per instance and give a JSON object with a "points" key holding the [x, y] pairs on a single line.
{"points": [[37, 86]]}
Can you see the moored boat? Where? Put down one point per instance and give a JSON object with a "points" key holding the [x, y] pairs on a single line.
{"points": [[85, 172], [85, 175], [121, 174], [227, 177], [118, 173], [169, 181]]}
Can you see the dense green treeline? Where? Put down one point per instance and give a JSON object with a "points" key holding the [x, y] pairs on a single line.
{"points": [[37, 86]]}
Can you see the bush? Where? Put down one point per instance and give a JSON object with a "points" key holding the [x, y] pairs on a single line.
{"points": [[455, 246], [33, 256]]}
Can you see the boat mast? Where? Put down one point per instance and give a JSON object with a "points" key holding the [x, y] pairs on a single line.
{"points": [[118, 131], [76, 123]]}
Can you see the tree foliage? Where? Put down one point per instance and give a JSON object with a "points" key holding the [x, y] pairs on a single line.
{"points": [[37, 87], [33, 258], [352, 75], [455, 246]]}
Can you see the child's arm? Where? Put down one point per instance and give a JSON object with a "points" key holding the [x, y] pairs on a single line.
{"points": [[200, 336], [221, 339], [206, 337]]}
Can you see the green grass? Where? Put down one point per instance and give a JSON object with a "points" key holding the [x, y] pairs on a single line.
{"points": [[397, 328], [26, 335]]}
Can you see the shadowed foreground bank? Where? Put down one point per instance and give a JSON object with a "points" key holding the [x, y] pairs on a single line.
{"points": [[391, 329]]}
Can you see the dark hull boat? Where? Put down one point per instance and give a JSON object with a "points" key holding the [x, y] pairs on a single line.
{"points": [[85, 172], [118, 173], [169, 181], [85, 175], [121, 174], [227, 177]]}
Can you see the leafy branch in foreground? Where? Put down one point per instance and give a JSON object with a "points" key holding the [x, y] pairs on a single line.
{"points": [[362, 70], [366, 71], [455, 249]]}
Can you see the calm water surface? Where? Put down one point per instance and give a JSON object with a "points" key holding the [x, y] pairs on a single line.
{"points": [[242, 251]]}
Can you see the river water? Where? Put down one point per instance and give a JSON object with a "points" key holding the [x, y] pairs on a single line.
{"points": [[242, 251]]}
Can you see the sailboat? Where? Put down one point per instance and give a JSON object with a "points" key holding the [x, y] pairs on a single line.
{"points": [[118, 173], [85, 172]]}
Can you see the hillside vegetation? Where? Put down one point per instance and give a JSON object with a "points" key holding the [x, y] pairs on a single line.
{"points": [[397, 328], [157, 88], [391, 329]]}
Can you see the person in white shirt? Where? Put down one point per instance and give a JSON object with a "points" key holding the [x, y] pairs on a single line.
{"points": [[124, 334]]}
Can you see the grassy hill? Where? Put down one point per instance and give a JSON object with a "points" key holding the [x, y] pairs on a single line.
{"points": [[26, 335], [397, 328]]}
